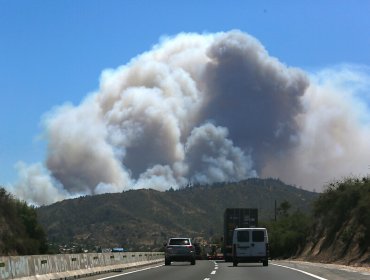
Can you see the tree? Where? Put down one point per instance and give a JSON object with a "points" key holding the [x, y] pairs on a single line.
{"points": [[284, 208]]}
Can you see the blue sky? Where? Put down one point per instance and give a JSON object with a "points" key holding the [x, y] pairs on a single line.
{"points": [[53, 52]]}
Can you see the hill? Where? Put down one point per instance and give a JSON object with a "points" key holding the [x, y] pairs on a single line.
{"points": [[340, 231], [20, 232], [144, 219]]}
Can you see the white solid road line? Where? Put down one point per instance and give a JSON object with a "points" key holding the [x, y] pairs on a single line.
{"points": [[302, 271], [109, 277]]}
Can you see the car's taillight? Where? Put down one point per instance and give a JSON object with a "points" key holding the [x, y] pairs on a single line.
{"points": [[191, 247]]}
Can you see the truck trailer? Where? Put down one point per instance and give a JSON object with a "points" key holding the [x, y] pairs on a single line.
{"points": [[236, 218]]}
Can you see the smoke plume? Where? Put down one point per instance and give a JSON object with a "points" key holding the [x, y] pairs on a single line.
{"points": [[203, 109]]}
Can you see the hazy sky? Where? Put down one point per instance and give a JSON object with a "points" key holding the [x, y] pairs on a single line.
{"points": [[53, 53]]}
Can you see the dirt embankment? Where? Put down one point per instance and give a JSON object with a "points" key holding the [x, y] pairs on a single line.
{"points": [[344, 246]]}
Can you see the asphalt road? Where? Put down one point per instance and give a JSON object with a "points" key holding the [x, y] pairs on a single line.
{"points": [[211, 270]]}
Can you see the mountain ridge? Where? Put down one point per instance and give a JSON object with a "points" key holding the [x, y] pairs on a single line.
{"points": [[142, 219]]}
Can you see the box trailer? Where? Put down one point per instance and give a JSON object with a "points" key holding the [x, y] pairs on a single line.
{"points": [[236, 218]]}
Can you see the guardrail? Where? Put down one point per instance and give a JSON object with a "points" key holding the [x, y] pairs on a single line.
{"points": [[65, 266]]}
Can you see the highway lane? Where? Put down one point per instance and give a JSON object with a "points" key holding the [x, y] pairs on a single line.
{"points": [[210, 270], [176, 271], [258, 272]]}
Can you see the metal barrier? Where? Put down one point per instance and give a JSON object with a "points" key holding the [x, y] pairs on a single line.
{"points": [[66, 266]]}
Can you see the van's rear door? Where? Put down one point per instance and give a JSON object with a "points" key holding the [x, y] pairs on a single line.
{"points": [[258, 242], [243, 245]]}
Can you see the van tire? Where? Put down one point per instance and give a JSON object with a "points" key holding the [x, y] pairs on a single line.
{"points": [[235, 264], [192, 262], [265, 263], [167, 262]]}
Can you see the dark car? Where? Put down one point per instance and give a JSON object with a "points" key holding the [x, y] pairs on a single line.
{"points": [[179, 250]]}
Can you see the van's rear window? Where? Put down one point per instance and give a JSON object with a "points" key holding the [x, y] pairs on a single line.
{"points": [[243, 236], [258, 236]]}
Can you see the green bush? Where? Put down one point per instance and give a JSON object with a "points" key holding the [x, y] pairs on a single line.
{"points": [[288, 234]]}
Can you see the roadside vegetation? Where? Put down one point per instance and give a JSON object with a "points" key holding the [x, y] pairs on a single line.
{"points": [[337, 229], [20, 232], [289, 232]]}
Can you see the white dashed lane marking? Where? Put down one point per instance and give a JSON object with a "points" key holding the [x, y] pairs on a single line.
{"points": [[213, 271]]}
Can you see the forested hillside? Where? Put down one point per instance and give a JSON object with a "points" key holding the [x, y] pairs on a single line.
{"points": [[144, 219], [341, 225], [337, 229], [20, 232]]}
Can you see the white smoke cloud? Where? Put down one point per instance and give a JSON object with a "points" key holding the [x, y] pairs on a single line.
{"points": [[78, 154], [37, 186], [203, 109], [334, 130], [212, 157]]}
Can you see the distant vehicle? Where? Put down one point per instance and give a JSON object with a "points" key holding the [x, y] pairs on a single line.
{"points": [[180, 250], [250, 245], [236, 218], [214, 252], [217, 256]]}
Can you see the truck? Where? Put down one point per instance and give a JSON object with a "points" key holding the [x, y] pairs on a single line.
{"points": [[236, 218]]}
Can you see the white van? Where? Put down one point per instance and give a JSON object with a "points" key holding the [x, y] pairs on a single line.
{"points": [[250, 245]]}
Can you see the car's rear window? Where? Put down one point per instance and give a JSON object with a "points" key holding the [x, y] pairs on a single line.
{"points": [[258, 236], [243, 236], [179, 241]]}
